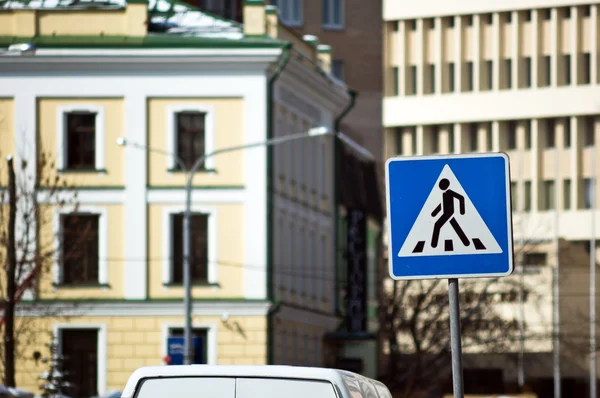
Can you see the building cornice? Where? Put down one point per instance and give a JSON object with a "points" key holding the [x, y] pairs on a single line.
{"points": [[140, 308]]}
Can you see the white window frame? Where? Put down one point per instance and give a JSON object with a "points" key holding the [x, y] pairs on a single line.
{"points": [[211, 338], [102, 347], [330, 24], [167, 241], [289, 7], [209, 132], [102, 240], [61, 134]]}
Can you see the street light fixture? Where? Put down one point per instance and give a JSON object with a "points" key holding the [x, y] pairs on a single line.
{"points": [[187, 243]]}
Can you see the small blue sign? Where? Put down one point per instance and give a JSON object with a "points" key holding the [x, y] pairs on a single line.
{"points": [[175, 350], [449, 216]]}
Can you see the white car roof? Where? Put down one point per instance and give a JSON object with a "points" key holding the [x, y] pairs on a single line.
{"points": [[272, 371]]}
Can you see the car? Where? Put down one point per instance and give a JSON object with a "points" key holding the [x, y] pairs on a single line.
{"points": [[254, 381]]}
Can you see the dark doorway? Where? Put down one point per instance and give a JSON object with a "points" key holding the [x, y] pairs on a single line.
{"points": [[80, 349]]}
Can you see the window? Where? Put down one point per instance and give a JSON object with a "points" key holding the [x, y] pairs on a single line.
{"points": [[435, 139], [586, 76], [535, 259], [547, 72], [431, 69], [473, 137], [190, 134], [80, 349], [527, 15], [550, 133], [469, 20], [567, 132], [204, 245], [528, 134], [513, 194], [567, 12], [470, 76], [590, 131], [337, 68], [83, 347], [451, 22], [508, 73], [199, 237], [585, 11], [549, 195], [546, 14], [566, 59], [411, 25], [489, 19], [80, 248], [527, 196], [333, 13], [489, 70], [190, 130], [412, 84], [511, 133], [587, 185], [567, 194], [197, 333], [227, 9], [451, 77], [451, 138], [527, 71], [290, 11], [80, 138], [395, 80], [490, 137], [399, 138]]}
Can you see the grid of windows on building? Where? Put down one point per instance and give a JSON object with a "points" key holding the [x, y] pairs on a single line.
{"points": [[482, 70]]}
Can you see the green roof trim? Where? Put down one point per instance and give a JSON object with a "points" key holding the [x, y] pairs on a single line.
{"points": [[254, 2], [137, 1], [324, 48], [271, 9], [151, 41]]}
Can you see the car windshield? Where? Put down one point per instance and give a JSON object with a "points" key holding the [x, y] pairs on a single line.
{"points": [[233, 387]]}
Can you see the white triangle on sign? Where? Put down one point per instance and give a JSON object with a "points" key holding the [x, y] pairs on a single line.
{"points": [[419, 239]]}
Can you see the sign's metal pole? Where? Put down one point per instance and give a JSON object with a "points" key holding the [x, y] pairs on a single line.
{"points": [[455, 339]]}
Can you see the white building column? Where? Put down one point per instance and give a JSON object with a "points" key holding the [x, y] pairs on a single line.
{"points": [[136, 221], [535, 164], [458, 141], [535, 51], [476, 52], [420, 62], [439, 52], [574, 46], [516, 51], [594, 44], [403, 67], [496, 37], [495, 136], [458, 58], [554, 40], [576, 146], [420, 132]]}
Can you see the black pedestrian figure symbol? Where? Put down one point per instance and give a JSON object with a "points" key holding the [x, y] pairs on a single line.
{"points": [[447, 209]]}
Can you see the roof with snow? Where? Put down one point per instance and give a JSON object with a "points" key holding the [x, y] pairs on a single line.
{"points": [[166, 16]]}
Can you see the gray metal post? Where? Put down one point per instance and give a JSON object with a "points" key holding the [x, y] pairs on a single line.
{"points": [[556, 289], [187, 275], [593, 371], [455, 339]]}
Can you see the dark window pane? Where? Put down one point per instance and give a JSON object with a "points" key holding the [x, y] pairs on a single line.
{"points": [[80, 349], [190, 136], [199, 232], [80, 248], [81, 140], [202, 334]]}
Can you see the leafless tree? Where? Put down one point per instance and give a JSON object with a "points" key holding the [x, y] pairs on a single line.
{"points": [[26, 214]]}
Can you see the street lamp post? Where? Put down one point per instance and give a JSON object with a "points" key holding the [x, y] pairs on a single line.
{"points": [[187, 241]]}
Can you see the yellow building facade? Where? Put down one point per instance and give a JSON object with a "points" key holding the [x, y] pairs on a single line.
{"points": [[111, 293]]}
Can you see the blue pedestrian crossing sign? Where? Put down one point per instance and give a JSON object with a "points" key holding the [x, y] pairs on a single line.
{"points": [[449, 216]]}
